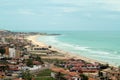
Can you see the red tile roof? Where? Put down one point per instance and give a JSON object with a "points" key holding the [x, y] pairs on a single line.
{"points": [[64, 71], [36, 62]]}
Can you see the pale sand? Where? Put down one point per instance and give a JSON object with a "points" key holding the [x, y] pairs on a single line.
{"points": [[35, 41], [67, 55]]}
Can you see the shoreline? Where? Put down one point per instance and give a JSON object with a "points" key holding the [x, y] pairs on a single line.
{"points": [[67, 55]]}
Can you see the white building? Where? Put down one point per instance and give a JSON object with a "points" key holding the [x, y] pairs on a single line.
{"points": [[12, 53]]}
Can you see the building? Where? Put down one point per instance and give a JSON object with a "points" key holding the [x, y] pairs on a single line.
{"points": [[12, 52], [37, 49]]}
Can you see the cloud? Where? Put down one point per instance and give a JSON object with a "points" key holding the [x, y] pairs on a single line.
{"points": [[58, 15], [29, 12], [113, 5], [53, 23], [69, 9], [26, 12], [61, 10]]}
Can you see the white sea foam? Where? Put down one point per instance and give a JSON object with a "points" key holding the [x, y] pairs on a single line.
{"points": [[54, 41], [77, 47], [99, 52]]}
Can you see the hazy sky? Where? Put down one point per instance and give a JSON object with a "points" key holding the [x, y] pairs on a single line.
{"points": [[60, 14]]}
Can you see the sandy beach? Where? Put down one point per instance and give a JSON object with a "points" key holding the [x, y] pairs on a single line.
{"points": [[67, 55]]}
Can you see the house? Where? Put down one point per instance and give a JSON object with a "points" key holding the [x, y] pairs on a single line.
{"points": [[14, 67], [36, 63], [68, 75], [81, 66]]}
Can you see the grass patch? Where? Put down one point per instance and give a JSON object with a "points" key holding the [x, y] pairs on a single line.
{"points": [[46, 72], [44, 75]]}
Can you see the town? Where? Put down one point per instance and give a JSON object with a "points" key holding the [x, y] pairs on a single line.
{"points": [[20, 59]]}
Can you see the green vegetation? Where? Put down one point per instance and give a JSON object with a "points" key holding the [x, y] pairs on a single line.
{"points": [[44, 78], [2, 50], [45, 72], [38, 58], [29, 63], [4, 68], [83, 77], [59, 76], [44, 75], [27, 75]]}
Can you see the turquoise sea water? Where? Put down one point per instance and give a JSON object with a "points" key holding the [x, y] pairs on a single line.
{"points": [[101, 45]]}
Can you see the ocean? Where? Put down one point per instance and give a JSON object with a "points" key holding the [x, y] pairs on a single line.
{"points": [[99, 45]]}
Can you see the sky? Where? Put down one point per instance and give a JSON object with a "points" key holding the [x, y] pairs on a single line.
{"points": [[36, 15]]}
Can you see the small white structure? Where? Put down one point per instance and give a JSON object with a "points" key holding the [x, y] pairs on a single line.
{"points": [[12, 53], [31, 68], [35, 68]]}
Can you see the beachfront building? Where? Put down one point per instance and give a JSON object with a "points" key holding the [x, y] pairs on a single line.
{"points": [[37, 49]]}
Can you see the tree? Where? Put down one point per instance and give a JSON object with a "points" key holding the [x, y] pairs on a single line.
{"points": [[2, 50], [83, 77], [39, 59], [4, 68], [29, 63], [26, 75]]}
